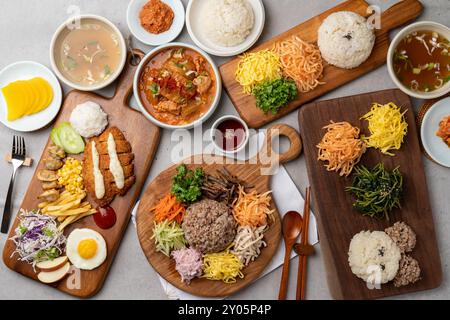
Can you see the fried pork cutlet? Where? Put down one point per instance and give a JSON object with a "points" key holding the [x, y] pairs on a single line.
{"points": [[125, 156]]}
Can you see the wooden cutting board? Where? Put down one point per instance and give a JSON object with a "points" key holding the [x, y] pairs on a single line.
{"points": [[252, 172], [338, 221], [399, 14], [143, 137]]}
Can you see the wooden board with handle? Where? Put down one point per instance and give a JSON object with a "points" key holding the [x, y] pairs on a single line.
{"points": [[333, 77], [143, 137], [252, 172], [337, 219]]}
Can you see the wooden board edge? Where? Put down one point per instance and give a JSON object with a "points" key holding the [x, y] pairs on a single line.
{"points": [[334, 287]]}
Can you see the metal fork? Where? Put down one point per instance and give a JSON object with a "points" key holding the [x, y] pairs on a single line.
{"points": [[17, 159]]}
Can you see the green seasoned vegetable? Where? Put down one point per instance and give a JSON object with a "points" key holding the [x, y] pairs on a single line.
{"points": [[154, 88], [65, 136], [187, 184], [377, 190], [168, 236], [274, 94]]}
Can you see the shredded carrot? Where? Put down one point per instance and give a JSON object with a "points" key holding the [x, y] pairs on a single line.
{"points": [[252, 209], [168, 208], [341, 147]]}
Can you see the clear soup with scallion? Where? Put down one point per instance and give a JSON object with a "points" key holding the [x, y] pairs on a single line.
{"points": [[422, 61], [88, 54]]}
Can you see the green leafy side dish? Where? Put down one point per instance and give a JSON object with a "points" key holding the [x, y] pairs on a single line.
{"points": [[187, 184], [377, 190], [274, 94]]}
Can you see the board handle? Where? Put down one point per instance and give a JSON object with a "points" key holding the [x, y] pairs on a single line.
{"points": [[400, 13], [270, 159], [125, 82]]}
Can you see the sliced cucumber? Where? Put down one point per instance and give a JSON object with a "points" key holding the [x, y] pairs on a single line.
{"points": [[55, 138], [70, 140]]}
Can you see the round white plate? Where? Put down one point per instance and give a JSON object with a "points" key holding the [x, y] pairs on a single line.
{"points": [[25, 70], [433, 145], [194, 27], [135, 6]]}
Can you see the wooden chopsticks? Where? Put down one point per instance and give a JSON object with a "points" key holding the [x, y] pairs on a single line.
{"points": [[301, 275]]}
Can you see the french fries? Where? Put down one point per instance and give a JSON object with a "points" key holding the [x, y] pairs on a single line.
{"points": [[68, 208]]}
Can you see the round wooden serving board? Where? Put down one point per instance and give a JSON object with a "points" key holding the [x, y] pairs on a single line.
{"points": [[252, 172]]}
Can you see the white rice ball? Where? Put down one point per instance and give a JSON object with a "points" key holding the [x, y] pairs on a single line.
{"points": [[88, 119], [345, 40], [227, 22], [374, 257]]}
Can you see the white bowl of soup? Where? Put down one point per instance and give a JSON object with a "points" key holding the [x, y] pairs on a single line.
{"points": [[177, 85], [419, 60], [87, 52]]}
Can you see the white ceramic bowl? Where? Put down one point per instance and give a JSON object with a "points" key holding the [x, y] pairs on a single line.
{"points": [[194, 28], [116, 73], [24, 70], [144, 62], [213, 134], [433, 145], [422, 25], [134, 8]]}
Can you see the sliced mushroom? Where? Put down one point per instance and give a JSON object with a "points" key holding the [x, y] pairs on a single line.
{"points": [[47, 175], [56, 152], [52, 163], [50, 185], [49, 195]]}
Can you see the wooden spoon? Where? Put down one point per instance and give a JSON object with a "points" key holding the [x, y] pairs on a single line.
{"points": [[292, 227]]}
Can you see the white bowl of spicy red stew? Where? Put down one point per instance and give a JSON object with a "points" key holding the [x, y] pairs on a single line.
{"points": [[418, 60], [177, 86]]}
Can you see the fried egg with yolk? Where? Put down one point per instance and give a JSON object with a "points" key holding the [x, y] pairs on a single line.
{"points": [[86, 249]]}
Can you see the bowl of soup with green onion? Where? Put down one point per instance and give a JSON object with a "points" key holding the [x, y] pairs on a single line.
{"points": [[88, 52], [419, 60]]}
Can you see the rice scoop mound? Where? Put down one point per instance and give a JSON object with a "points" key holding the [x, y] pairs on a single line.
{"points": [[88, 119], [373, 252], [209, 226], [345, 40], [227, 22]]}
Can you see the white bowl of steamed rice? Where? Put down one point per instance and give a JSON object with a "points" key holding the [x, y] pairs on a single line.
{"points": [[225, 27]]}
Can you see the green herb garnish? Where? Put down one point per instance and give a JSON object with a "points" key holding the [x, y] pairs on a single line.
{"points": [[154, 88], [106, 71], [47, 254], [47, 232], [447, 79], [22, 229], [70, 64], [274, 94], [377, 190], [187, 184]]}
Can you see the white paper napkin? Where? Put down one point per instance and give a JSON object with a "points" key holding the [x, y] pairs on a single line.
{"points": [[287, 198]]}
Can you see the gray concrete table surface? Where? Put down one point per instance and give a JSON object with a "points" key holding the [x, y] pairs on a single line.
{"points": [[26, 28]]}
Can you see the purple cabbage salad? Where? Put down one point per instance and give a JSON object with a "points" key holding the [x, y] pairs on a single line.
{"points": [[37, 237]]}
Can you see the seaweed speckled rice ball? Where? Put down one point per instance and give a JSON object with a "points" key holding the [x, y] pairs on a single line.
{"points": [[374, 257], [345, 39]]}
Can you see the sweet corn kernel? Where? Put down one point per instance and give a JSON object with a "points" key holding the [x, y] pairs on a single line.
{"points": [[70, 177]]}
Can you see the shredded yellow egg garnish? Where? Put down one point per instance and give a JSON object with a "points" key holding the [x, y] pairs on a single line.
{"points": [[387, 126], [257, 67], [223, 266]]}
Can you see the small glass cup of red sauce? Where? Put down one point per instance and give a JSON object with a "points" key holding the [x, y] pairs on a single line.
{"points": [[229, 134]]}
